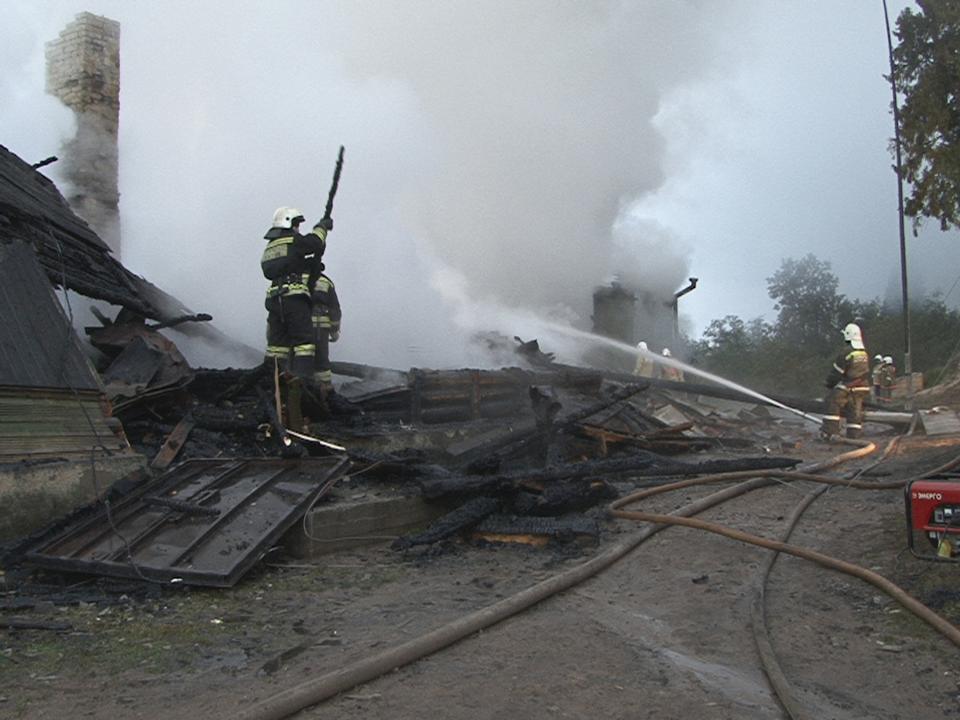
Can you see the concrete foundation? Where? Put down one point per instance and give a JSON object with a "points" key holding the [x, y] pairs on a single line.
{"points": [[346, 524], [33, 495]]}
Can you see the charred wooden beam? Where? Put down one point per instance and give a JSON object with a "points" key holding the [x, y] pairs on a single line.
{"points": [[665, 440], [642, 465], [243, 384], [173, 322], [563, 497], [173, 444], [358, 370], [516, 443], [535, 530], [463, 518]]}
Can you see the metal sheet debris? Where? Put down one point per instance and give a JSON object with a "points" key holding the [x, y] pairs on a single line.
{"points": [[940, 421], [204, 522]]}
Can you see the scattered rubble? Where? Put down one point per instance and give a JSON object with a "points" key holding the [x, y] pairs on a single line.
{"points": [[514, 455]]}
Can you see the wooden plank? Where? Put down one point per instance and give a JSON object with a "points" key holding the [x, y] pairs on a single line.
{"points": [[173, 444]]}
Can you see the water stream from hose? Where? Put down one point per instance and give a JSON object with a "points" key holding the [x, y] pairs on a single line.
{"points": [[673, 362]]}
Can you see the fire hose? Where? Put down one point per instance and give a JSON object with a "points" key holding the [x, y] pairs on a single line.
{"points": [[287, 702], [768, 658]]}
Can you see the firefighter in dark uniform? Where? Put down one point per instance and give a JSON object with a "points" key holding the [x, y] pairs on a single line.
{"points": [[326, 328], [286, 263], [849, 383]]}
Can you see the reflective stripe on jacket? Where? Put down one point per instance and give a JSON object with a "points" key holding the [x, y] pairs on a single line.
{"points": [[284, 260], [851, 370], [326, 304]]}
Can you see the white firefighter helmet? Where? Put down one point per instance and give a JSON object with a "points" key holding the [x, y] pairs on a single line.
{"points": [[667, 353], [878, 358], [888, 360], [642, 346], [852, 334], [286, 217]]}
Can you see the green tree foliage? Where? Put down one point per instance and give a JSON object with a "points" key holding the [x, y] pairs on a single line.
{"points": [[934, 330], [793, 355], [927, 73], [810, 308], [730, 346]]}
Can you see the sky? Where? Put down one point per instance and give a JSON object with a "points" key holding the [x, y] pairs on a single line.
{"points": [[502, 158]]}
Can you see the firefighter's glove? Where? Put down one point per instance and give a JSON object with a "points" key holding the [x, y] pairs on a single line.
{"points": [[334, 335], [325, 224]]}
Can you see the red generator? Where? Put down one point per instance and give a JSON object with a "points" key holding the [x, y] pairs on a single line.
{"points": [[933, 508]]}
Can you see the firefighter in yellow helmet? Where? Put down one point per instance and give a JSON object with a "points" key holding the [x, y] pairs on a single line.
{"points": [[670, 372], [286, 262], [644, 367], [849, 383], [875, 375], [888, 378]]}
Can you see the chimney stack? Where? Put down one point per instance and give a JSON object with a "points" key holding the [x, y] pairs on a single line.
{"points": [[83, 71]]}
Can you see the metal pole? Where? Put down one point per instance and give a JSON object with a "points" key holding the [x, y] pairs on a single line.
{"points": [[675, 307], [907, 367]]}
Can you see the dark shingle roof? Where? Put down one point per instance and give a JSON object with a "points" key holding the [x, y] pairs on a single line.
{"points": [[38, 348]]}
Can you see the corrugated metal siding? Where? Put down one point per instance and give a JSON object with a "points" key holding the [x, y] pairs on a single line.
{"points": [[54, 423], [38, 348]]}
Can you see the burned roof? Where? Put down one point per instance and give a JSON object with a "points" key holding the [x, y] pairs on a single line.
{"points": [[39, 347], [33, 210]]}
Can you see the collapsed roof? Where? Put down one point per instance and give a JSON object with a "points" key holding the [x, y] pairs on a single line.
{"points": [[33, 210]]}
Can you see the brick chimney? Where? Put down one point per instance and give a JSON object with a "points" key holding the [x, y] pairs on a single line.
{"points": [[83, 71]]}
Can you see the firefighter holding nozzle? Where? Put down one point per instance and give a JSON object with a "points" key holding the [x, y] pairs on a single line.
{"points": [[849, 383]]}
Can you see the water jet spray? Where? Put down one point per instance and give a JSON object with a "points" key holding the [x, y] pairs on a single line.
{"points": [[673, 362]]}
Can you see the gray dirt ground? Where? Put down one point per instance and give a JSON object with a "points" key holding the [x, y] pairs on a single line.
{"points": [[665, 633]]}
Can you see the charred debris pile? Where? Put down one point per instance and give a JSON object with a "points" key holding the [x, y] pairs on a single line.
{"points": [[523, 454]]}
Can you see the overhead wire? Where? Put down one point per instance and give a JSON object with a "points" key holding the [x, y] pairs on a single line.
{"points": [[63, 376]]}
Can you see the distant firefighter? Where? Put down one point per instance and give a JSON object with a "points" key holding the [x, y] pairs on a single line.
{"points": [[875, 375], [849, 383], [669, 372], [888, 378], [645, 366], [326, 325]]}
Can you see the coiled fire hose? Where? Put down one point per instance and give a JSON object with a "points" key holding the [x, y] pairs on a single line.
{"points": [[292, 700]]}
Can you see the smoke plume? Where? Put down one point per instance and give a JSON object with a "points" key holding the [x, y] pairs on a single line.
{"points": [[495, 154]]}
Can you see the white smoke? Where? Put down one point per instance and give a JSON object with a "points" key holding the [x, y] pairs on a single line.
{"points": [[32, 123], [542, 136], [495, 151]]}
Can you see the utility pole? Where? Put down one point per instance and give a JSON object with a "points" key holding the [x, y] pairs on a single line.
{"points": [[907, 367]]}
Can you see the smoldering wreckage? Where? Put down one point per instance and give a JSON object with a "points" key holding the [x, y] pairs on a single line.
{"points": [[514, 454], [136, 470]]}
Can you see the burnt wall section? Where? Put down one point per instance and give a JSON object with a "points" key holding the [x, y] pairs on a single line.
{"points": [[83, 71]]}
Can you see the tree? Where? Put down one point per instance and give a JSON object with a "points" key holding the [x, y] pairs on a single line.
{"points": [[811, 311], [927, 73]]}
